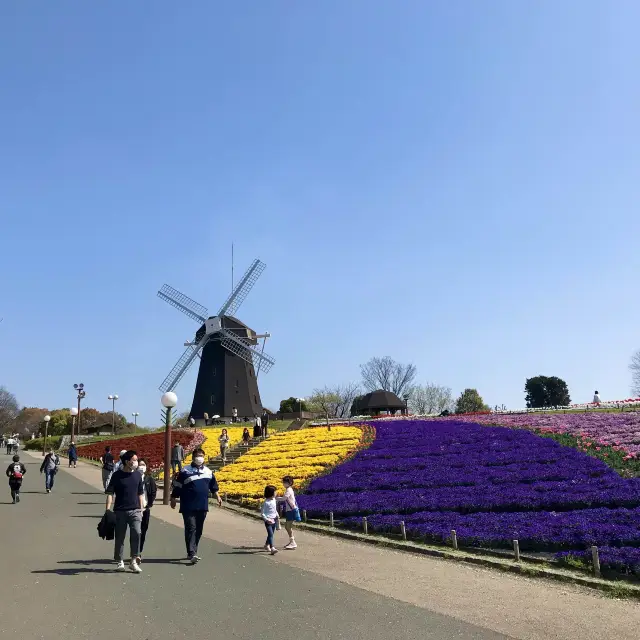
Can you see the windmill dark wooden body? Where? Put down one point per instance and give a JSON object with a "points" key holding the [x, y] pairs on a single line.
{"points": [[229, 362]]}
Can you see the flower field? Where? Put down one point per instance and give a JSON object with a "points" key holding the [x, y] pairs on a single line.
{"points": [[619, 429], [149, 446], [211, 445], [491, 484], [302, 454]]}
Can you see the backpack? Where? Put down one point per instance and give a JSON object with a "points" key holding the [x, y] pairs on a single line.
{"points": [[16, 474], [107, 462]]}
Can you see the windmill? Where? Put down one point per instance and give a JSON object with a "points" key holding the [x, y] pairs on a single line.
{"points": [[228, 360]]}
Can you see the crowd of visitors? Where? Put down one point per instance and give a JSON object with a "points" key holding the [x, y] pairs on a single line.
{"points": [[131, 492]]}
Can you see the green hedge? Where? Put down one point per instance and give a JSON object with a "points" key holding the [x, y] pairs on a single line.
{"points": [[36, 445]]}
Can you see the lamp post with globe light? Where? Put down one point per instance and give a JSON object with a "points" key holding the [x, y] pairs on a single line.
{"points": [[113, 397], [46, 432], [169, 400], [74, 412], [300, 401], [81, 394]]}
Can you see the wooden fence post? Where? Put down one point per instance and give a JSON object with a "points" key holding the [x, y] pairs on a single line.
{"points": [[516, 550], [403, 530], [331, 518], [304, 515], [454, 539], [596, 561], [365, 525]]}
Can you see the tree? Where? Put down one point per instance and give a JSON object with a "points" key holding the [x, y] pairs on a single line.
{"points": [[89, 418], [470, 401], [29, 420], [635, 373], [430, 398], [291, 405], [325, 401], [9, 409], [545, 391], [60, 422], [387, 374]]}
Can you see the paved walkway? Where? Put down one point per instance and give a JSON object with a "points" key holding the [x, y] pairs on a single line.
{"points": [[58, 580]]}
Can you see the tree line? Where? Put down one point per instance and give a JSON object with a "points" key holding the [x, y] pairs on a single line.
{"points": [[30, 420]]}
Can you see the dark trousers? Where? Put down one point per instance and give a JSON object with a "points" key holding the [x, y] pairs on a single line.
{"points": [[146, 514], [174, 464], [193, 524], [9, 447], [270, 529]]}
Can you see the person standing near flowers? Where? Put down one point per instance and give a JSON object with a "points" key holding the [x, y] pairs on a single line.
{"points": [[269, 512], [150, 491], [177, 457], [73, 455], [193, 486], [246, 436], [224, 444], [291, 510]]}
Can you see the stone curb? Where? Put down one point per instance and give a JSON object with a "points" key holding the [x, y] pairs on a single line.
{"points": [[523, 568]]}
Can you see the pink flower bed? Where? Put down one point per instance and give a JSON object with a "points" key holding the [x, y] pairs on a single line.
{"points": [[619, 429]]}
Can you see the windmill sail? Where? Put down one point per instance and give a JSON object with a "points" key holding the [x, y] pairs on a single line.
{"points": [[244, 350], [182, 366], [242, 289], [183, 303]]}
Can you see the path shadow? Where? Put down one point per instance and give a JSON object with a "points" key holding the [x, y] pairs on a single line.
{"points": [[87, 493], [83, 516], [76, 571], [241, 553], [92, 502], [43, 492], [103, 561]]}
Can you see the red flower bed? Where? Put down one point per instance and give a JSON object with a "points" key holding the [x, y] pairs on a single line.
{"points": [[149, 446]]}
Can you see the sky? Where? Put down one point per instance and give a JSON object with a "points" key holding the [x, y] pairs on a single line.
{"points": [[454, 185]]}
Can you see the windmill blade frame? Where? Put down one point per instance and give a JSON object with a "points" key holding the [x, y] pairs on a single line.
{"points": [[182, 366], [183, 303], [244, 350], [242, 289]]}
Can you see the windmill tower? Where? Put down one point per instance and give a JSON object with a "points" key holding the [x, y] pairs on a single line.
{"points": [[227, 376]]}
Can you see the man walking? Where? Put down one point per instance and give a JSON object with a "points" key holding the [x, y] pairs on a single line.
{"points": [[108, 465], [127, 487], [9, 445], [177, 456], [50, 467], [193, 486], [265, 423]]}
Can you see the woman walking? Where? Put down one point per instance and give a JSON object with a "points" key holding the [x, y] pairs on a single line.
{"points": [[246, 436], [224, 444], [73, 455], [150, 491]]}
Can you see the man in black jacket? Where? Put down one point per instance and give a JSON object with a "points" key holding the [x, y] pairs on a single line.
{"points": [[265, 423]]}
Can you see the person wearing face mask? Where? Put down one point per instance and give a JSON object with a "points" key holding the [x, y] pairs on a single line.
{"points": [[193, 486], [127, 487], [150, 491]]}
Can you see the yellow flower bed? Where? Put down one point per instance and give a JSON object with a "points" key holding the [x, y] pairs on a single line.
{"points": [[211, 445], [302, 454]]}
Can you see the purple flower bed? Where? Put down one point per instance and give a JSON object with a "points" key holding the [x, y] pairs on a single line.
{"points": [[491, 484], [621, 429], [541, 530], [622, 559]]}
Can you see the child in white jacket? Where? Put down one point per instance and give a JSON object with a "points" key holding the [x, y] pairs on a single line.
{"points": [[269, 513]]}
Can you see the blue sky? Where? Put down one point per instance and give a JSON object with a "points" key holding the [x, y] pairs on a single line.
{"points": [[451, 184]]}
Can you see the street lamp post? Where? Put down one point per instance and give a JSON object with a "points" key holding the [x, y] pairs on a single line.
{"points": [[169, 400], [113, 397], [74, 412], [81, 394], [135, 415], [300, 401], [46, 433]]}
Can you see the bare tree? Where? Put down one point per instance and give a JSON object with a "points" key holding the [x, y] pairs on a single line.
{"points": [[635, 373], [385, 373], [9, 409], [346, 393], [430, 398]]}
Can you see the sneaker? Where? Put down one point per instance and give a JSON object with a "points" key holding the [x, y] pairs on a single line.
{"points": [[135, 567], [48, 490], [267, 547], [18, 498], [291, 545], [120, 566], [194, 559], [273, 551]]}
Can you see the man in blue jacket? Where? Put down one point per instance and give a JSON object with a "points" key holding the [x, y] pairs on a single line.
{"points": [[193, 486]]}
